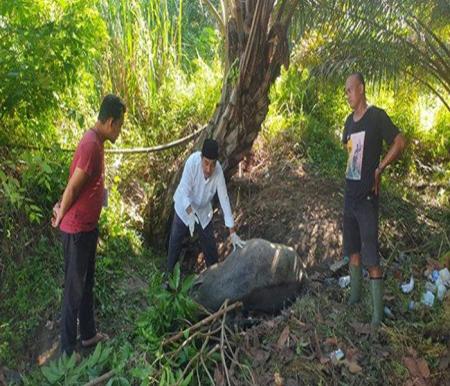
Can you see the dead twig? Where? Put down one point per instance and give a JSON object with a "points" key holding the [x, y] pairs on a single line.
{"points": [[207, 372], [440, 247], [209, 334], [222, 333], [244, 368], [100, 379], [317, 344], [195, 358], [203, 322], [233, 357]]}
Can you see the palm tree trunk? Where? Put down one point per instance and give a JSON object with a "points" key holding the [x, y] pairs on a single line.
{"points": [[256, 48]]}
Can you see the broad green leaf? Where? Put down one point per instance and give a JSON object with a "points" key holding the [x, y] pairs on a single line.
{"points": [[51, 374], [96, 355], [187, 283]]}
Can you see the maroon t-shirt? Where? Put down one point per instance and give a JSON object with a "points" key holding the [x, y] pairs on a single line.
{"points": [[84, 213]]}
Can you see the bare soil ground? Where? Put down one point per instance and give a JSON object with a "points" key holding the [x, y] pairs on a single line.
{"points": [[284, 200]]}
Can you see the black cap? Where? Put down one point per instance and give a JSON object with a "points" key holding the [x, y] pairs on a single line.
{"points": [[210, 149]]}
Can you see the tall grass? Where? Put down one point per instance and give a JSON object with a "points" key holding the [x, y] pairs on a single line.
{"points": [[144, 47]]}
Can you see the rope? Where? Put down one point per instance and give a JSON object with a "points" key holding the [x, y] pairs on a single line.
{"points": [[135, 150], [153, 149]]}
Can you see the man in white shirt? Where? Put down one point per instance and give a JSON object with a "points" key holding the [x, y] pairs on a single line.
{"points": [[202, 178]]}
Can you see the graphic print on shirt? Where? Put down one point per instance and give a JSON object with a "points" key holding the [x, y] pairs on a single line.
{"points": [[355, 148]]}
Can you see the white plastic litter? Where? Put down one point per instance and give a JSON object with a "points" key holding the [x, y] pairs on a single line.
{"points": [[408, 287], [344, 281], [434, 275], [444, 275], [337, 355], [339, 264], [428, 299], [411, 305], [441, 290]]}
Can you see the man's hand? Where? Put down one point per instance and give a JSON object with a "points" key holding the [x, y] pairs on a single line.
{"points": [[192, 219], [393, 153], [76, 182], [377, 180], [56, 216], [236, 241]]}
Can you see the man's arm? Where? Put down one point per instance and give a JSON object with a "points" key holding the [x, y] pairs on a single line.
{"points": [[225, 202], [394, 152], [73, 188], [227, 214], [185, 186]]}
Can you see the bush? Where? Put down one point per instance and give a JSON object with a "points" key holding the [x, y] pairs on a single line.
{"points": [[316, 110], [46, 45], [313, 113]]}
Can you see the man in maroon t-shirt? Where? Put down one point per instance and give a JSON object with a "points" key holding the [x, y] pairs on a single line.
{"points": [[76, 215]]}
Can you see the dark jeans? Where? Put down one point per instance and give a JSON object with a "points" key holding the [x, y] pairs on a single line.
{"points": [[361, 229], [179, 231], [78, 303]]}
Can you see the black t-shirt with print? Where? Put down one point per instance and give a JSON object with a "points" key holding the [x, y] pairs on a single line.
{"points": [[364, 140]]}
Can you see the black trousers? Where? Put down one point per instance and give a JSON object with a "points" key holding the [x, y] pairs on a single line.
{"points": [[78, 303], [179, 232], [361, 229]]}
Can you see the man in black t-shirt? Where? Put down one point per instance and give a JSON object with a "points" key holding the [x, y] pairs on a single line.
{"points": [[364, 132]]}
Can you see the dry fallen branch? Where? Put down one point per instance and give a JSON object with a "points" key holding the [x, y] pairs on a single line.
{"points": [[205, 331], [203, 322], [214, 335]]}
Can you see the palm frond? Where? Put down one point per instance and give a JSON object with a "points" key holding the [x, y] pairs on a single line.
{"points": [[387, 40]]}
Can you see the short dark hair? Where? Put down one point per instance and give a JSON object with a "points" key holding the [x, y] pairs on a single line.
{"points": [[360, 78], [210, 149], [112, 107]]}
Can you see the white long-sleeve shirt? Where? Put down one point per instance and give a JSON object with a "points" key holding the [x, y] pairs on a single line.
{"points": [[198, 192]]}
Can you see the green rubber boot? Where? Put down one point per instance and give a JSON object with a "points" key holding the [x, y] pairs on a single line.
{"points": [[376, 289], [355, 284]]}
